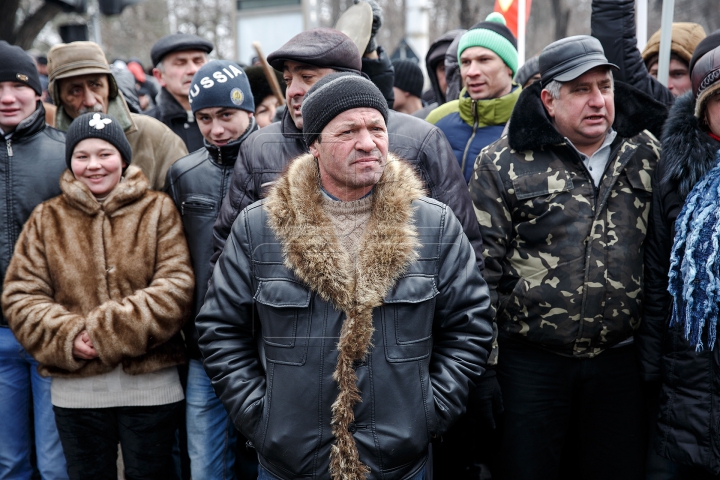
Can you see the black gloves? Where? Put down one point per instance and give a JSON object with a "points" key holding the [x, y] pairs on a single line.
{"points": [[377, 23], [485, 404]]}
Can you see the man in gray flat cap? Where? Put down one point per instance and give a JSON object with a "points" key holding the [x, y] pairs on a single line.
{"points": [[562, 202], [176, 58], [375, 320]]}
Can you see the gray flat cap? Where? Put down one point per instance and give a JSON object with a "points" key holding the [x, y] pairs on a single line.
{"points": [[178, 42], [570, 57], [320, 47]]}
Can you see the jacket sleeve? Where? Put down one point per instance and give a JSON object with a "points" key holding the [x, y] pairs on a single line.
{"points": [[43, 327], [172, 148], [493, 217], [225, 327], [613, 23], [448, 185], [152, 315], [657, 302], [241, 193], [382, 73], [462, 330]]}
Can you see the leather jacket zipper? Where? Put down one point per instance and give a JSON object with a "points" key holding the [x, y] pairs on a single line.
{"points": [[9, 148], [469, 142]]}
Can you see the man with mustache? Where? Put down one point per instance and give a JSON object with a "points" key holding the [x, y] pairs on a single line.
{"points": [[563, 203], [81, 82], [374, 320], [177, 57]]}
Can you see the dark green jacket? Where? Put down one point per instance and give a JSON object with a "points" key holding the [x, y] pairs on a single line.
{"points": [[563, 258]]}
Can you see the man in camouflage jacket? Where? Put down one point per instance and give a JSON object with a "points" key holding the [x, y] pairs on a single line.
{"points": [[563, 202]]}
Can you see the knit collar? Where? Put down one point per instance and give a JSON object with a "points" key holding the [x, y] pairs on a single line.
{"points": [[227, 154], [492, 111], [79, 195]]}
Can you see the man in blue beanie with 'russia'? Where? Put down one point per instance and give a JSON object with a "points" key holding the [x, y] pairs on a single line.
{"points": [[223, 105]]}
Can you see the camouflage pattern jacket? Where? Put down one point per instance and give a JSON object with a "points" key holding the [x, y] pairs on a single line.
{"points": [[563, 258]]}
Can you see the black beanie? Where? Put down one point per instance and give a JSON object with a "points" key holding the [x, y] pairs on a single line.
{"points": [[711, 42], [96, 125], [259, 85], [336, 93], [408, 77], [18, 66]]}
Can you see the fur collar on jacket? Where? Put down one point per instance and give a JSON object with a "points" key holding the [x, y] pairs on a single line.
{"points": [[687, 151], [312, 251], [132, 186], [531, 128]]}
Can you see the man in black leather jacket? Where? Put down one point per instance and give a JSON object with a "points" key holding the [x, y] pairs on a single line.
{"points": [[374, 320], [31, 162], [223, 105]]}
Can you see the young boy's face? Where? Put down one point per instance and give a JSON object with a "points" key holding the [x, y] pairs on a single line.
{"points": [[220, 125]]}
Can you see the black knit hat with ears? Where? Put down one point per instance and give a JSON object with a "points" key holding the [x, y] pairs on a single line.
{"points": [[97, 125], [334, 94]]}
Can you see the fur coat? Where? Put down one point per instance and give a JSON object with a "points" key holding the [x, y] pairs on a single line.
{"points": [[361, 363], [120, 270]]}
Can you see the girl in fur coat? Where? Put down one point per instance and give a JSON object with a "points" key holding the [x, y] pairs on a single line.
{"points": [[97, 291]]}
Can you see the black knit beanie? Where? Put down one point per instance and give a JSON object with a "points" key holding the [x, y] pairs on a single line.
{"points": [[17, 66], [336, 93], [96, 125], [408, 77], [711, 42]]}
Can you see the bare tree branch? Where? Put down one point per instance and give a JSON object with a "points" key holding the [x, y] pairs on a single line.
{"points": [[34, 23]]}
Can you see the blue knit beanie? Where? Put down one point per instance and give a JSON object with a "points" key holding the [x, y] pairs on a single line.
{"points": [[221, 83]]}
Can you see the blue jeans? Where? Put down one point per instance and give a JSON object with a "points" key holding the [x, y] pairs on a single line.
{"points": [[265, 475], [18, 377], [210, 432]]}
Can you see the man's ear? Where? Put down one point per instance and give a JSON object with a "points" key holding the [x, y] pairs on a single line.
{"points": [[313, 149], [548, 102], [159, 76]]}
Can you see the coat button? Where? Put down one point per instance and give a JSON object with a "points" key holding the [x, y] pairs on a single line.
{"points": [[352, 428], [187, 125]]}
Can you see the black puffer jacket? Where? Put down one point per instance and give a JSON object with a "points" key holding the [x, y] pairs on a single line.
{"points": [[172, 114], [264, 156], [689, 421], [428, 316], [613, 23], [197, 184], [31, 163]]}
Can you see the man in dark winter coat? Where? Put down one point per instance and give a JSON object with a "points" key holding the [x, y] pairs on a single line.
{"points": [[374, 319], [177, 57], [31, 163], [563, 205], [613, 23], [435, 67], [223, 105]]}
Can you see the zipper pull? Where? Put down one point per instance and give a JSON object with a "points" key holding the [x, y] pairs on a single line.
{"points": [[9, 148]]}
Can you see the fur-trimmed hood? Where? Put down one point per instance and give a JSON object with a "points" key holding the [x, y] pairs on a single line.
{"points": [[688, 152], [531, 128], [312, 251]]}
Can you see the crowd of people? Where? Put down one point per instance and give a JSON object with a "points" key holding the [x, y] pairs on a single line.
{"points": [[510, 275]]}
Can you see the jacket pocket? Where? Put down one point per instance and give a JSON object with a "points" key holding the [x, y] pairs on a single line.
{"points": [[284, 308], [250, 420], [408, 314], [536, 184], [199, 205]]}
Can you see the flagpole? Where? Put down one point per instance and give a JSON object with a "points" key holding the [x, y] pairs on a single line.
{"points": [[642, 22], [521, 32], [668, 9]]}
